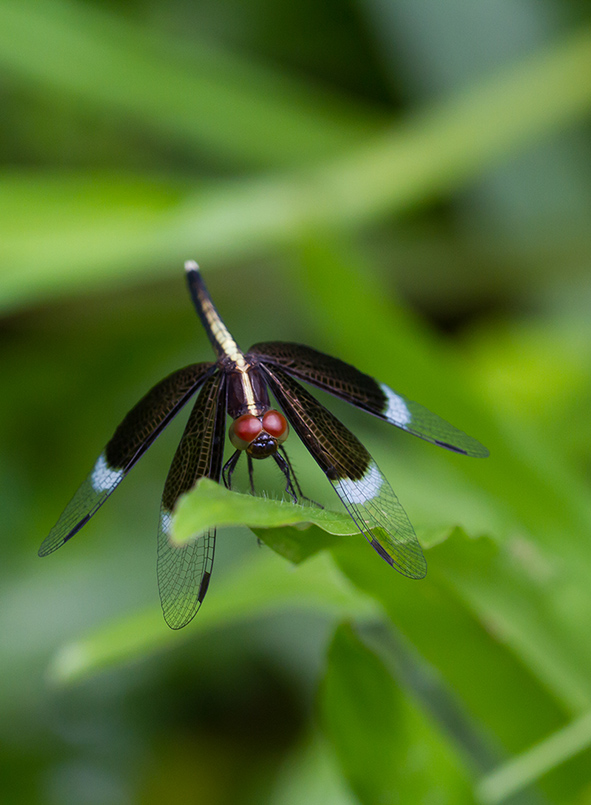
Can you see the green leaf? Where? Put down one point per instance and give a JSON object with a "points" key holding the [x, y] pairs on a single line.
{"points": [[517, 593], [461, 636], [528, 587], [296, 543], [388, 750], [266, 584], [209, 504]]}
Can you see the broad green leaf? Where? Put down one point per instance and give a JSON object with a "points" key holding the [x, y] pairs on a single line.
{"points": [[515, 591], [540, 586], [265, 585], [297, 543], [210, 504], [292, 530], [389, 751], [459, 636]]}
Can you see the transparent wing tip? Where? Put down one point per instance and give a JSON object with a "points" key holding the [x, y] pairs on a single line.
{"points": [[473, 449], [414, 567]]}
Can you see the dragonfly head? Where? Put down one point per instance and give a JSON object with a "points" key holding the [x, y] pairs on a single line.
{"points": [[260, 435]]}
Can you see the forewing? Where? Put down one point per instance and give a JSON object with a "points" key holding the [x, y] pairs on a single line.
{"points": [[135, 434], [344, 381], [184, 570], [356, 478]]}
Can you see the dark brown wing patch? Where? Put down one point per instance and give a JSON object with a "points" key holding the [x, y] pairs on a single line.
{"points": [[354, 475], [140, 428], [355, 387], [184, 570]]}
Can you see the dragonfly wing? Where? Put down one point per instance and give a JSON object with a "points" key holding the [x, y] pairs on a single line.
{"points": [[142, 425], [344, 381], [354, 475], [184, 570]]}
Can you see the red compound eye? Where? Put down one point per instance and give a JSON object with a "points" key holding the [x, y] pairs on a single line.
{"points": [[244, 430], [276, 425]]}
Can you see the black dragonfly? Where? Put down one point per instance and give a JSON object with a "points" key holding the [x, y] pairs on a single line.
{"points": [[238, 384]]}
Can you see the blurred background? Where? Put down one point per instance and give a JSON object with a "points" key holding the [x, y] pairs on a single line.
{"points": [[405, 184]]}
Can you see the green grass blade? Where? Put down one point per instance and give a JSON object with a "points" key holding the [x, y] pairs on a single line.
{"points": [[521, 771], [433, 152], [194, 93], [265, 585]]}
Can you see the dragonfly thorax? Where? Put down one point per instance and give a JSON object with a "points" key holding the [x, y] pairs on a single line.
{"points": [[260, 435]]}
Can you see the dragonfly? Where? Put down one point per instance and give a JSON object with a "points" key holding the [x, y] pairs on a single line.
{"points": [[237, 384]]}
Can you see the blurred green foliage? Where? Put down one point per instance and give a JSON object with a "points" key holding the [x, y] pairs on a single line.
{"points": [[402, 184]]}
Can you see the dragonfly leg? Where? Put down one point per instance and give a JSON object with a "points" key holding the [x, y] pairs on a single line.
{"points": [[229, 468], [250, 473], [291, 476], [287, 470]]}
